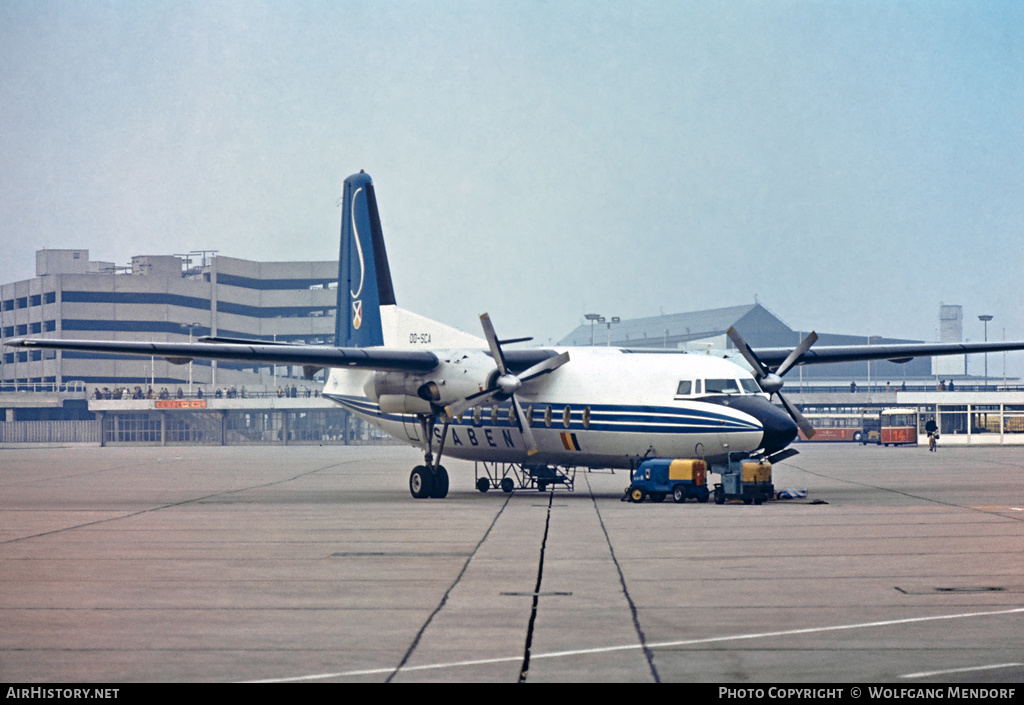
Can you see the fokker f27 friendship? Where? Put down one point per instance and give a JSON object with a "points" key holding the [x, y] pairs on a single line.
{"points": [[593, 407]]}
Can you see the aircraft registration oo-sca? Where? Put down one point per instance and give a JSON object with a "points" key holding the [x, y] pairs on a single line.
{"points": [[540, 410]]}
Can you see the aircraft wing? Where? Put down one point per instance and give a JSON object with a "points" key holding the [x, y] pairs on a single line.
{"points": [[901, 352], [313, 356]]}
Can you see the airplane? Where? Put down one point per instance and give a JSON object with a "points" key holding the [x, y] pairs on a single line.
{"points": [[531, 408]]}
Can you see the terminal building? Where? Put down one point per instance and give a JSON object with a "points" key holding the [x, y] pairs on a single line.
{"points": [[167, 298]]}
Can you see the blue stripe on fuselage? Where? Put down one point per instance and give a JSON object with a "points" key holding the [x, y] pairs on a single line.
{"points": [[603, 418]]}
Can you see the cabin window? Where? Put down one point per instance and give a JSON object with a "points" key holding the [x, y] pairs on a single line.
{"points": [[586, 417], [685, 387], [722, 386], [547, 416], [566, 417], [529, 415], [477, 412], [512, 415], [494, 415]]}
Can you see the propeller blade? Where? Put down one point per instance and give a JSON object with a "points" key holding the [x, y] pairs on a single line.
{"points": [[798, 351], [524, 428], [759, 367], [492, 341], [457, 407], [549, 365], [801, 422], [782, 455]]}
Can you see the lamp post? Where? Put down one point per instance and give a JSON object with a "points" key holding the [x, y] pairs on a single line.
{"points": [[190, 326], [614, 319], [985, 318], [593, 318]]}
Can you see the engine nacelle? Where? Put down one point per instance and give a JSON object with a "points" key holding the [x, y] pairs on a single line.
{"points": [[392, 384], [456, 377], [403, 404]]}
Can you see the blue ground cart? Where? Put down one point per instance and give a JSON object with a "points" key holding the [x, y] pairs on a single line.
{"points": [[658, 478]]}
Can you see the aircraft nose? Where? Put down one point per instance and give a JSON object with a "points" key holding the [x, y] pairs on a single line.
{"points": [[779, 429]]}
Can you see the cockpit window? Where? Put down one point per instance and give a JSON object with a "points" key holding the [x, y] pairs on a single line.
{"points": [[721, 386], [750, 386], [685, 387]]}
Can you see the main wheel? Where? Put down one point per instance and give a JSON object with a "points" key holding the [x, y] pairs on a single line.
{"points": [[679, 494], [440, 488], [483, 484], [507, 485], [421, 482]]}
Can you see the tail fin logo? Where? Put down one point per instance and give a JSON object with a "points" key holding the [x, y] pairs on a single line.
{"points": [[357, 313], [357, 303], [359, 251]]}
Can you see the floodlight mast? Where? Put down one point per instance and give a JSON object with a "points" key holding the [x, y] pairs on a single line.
{"points": [[593, 318], [985, 318]]}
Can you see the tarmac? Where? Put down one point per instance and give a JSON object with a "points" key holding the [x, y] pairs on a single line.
{"points": [[314, 564]]}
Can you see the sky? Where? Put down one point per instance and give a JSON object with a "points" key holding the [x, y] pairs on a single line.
{"points": [[849, 165]]}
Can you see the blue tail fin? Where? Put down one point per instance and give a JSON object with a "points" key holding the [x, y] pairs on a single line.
{"points": [[364, 277]]}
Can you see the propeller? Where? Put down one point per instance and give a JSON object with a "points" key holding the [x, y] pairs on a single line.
{"points": [[506, 384], [771, 381]]}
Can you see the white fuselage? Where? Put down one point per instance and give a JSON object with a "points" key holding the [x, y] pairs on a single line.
{"points": [[606, 407]]}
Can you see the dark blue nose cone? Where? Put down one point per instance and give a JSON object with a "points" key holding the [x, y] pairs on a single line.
{"points": [[779, 429]]}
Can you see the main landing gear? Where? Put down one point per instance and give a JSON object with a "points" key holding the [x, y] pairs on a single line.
{"points": [[425, 481], [431, 478]]}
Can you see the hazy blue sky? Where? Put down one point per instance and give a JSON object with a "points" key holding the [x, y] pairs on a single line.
{"points": [[850, 164]]}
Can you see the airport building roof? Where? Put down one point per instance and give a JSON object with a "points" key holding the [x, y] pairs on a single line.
{"points": [[704, 330]]}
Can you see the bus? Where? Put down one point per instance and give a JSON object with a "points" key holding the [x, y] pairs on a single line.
{"points": [[841, 425], [894, 426], [891, 427]]}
